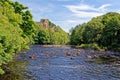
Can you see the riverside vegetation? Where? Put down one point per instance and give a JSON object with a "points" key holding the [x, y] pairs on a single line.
{"points": [[101, 32], [18, 31]]}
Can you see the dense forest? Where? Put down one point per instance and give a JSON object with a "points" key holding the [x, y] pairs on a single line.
{"points": [[49, 33], [100, 32], [18, 31]]}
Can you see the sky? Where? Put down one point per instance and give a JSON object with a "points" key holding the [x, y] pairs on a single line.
{"points": [[69, 13]]}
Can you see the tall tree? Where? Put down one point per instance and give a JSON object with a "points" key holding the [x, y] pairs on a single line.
{"points": [[103, 30]]}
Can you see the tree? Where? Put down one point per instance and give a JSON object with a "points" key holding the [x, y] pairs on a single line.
{"points": [[28, 25], [49, 33], [111, 33], [93, 30], [103, 30], [77, 34], [11, 33], [43, 37]]}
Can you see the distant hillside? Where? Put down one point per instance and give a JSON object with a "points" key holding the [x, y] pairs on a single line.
{"points": [[54, 34]]}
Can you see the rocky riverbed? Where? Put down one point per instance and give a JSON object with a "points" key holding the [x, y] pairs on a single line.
{"points": [[63, 63]]}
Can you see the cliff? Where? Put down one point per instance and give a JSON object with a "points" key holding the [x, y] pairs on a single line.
{"points": [[46, 24]]}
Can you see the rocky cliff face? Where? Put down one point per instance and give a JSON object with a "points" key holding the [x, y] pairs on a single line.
{"points": [[46, 24]]}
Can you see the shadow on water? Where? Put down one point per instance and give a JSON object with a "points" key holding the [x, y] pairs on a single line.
{"points": [[107, 58], [107, 64], [15, 70]]}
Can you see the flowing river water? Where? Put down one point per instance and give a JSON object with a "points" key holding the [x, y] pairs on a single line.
{"points": [[59, 63]]}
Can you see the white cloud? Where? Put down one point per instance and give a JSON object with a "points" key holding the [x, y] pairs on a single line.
{"points": [[103, 7], [87, 11], [70, 21], [118, 11], [66, 21]]}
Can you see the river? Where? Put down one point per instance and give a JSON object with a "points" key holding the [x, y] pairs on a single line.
{"points": [[59, 63]]}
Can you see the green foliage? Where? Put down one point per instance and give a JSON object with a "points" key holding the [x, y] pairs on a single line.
{"points": [[1, 71], [13, 38], [27, 25], [111, 33], [76, 37], [43, 37], [92, 31], [51, 35], [91, 46], [59, 36], [103, 30]]}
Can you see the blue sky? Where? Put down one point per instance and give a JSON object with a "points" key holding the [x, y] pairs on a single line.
{"points": [[69, 13]]}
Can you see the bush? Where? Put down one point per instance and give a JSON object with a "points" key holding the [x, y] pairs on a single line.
{"points": [[91, 46]]}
